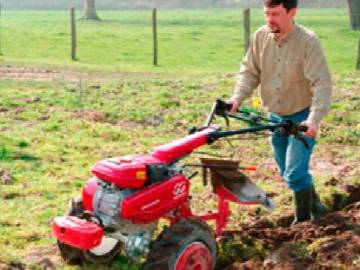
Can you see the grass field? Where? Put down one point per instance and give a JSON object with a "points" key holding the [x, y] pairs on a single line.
{"points": [[189, 41], [51, 132]]}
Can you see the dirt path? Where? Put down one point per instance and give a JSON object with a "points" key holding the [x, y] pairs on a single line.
{"points": [[41, 74], [27, 74]]}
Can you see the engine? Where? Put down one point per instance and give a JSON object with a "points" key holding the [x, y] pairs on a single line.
{"points": [[107, 204], [128, 195], [117, 184]]}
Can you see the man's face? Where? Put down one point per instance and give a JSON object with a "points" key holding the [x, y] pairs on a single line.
{"points": [[278, 19]]}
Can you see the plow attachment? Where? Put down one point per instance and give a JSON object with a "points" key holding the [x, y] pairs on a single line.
{"points": [[232, 184]]}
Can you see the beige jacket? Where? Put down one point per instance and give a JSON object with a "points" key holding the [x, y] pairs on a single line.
{"points": [[292, 73]]}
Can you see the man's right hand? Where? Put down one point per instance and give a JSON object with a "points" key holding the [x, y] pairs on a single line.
{"points": [[235, 104]]}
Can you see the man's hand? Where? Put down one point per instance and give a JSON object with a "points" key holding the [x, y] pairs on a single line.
{"points": [[312, 128], [235, 104]]}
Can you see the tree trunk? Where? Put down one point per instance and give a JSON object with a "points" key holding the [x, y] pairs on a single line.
{"points": [[90, 12], [354, 12]]}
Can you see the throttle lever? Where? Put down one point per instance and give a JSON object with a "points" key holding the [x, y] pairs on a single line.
{"points": [[300, 137], [221, 109], [295, 129]]}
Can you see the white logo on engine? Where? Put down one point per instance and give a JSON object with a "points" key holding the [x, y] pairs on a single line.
{"points": [[153, 203], [179, 189]]}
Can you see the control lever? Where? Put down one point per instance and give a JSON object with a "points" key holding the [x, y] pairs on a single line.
{"points": [[296, 130]]}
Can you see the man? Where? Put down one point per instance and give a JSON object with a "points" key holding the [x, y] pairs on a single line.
{"points": [[287, 61]]}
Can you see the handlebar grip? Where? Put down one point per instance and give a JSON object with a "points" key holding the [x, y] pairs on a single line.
{"points": [[228, 106], [303, 128], [222, 106]]}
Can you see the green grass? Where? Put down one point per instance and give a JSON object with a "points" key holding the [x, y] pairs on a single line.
{"points": [[48, 144], [201, 41]]}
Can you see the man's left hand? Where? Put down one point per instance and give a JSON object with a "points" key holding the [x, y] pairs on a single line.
{"points": [[312, 128]]}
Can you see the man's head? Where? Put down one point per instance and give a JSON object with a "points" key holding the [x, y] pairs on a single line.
{"points": [[280, 15]]}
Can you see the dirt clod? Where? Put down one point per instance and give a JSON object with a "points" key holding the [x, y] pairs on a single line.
{"points": [[92, 115], [5, 177]]}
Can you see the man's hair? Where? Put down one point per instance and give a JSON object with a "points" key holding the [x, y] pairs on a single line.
{"points": [[288, 4]]}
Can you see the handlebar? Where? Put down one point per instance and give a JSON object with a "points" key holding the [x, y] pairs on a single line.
{"points": [[221, 108]]}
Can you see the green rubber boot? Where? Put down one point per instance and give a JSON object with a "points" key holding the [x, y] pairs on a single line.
{"points": [[303, 201], [317, 208]]}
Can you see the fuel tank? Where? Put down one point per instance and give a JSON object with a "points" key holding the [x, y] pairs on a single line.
{"points": [[125, 172]]}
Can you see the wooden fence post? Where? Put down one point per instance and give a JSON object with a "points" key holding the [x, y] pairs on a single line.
{"points": [[73, 34], [358, 56], [155, 40], [354, 14], [0, 30], [246, 29]]}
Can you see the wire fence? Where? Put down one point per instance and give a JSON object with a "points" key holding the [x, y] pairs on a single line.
{"points": [[54, 32]]}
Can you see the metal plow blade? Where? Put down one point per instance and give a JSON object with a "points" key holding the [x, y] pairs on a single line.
{"points": [[226, 173]]}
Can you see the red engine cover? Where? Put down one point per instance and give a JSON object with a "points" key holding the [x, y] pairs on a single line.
{"points": [[125, 172], [77, 232], [179, 148], [156, 200]]}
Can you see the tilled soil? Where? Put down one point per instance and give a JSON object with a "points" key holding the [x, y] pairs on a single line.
{"points": [[331, 242]]}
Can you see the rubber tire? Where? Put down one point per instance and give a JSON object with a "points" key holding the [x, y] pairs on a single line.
{"points": [[166, 249], [74, 256], [90, 257]]}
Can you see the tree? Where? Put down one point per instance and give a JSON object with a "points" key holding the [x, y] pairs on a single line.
{"points": [[354, 12], [90, 11]]}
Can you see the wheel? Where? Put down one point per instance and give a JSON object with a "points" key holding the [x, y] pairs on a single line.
{"points": [[105, 252], [69, 254], [187, 245]]}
